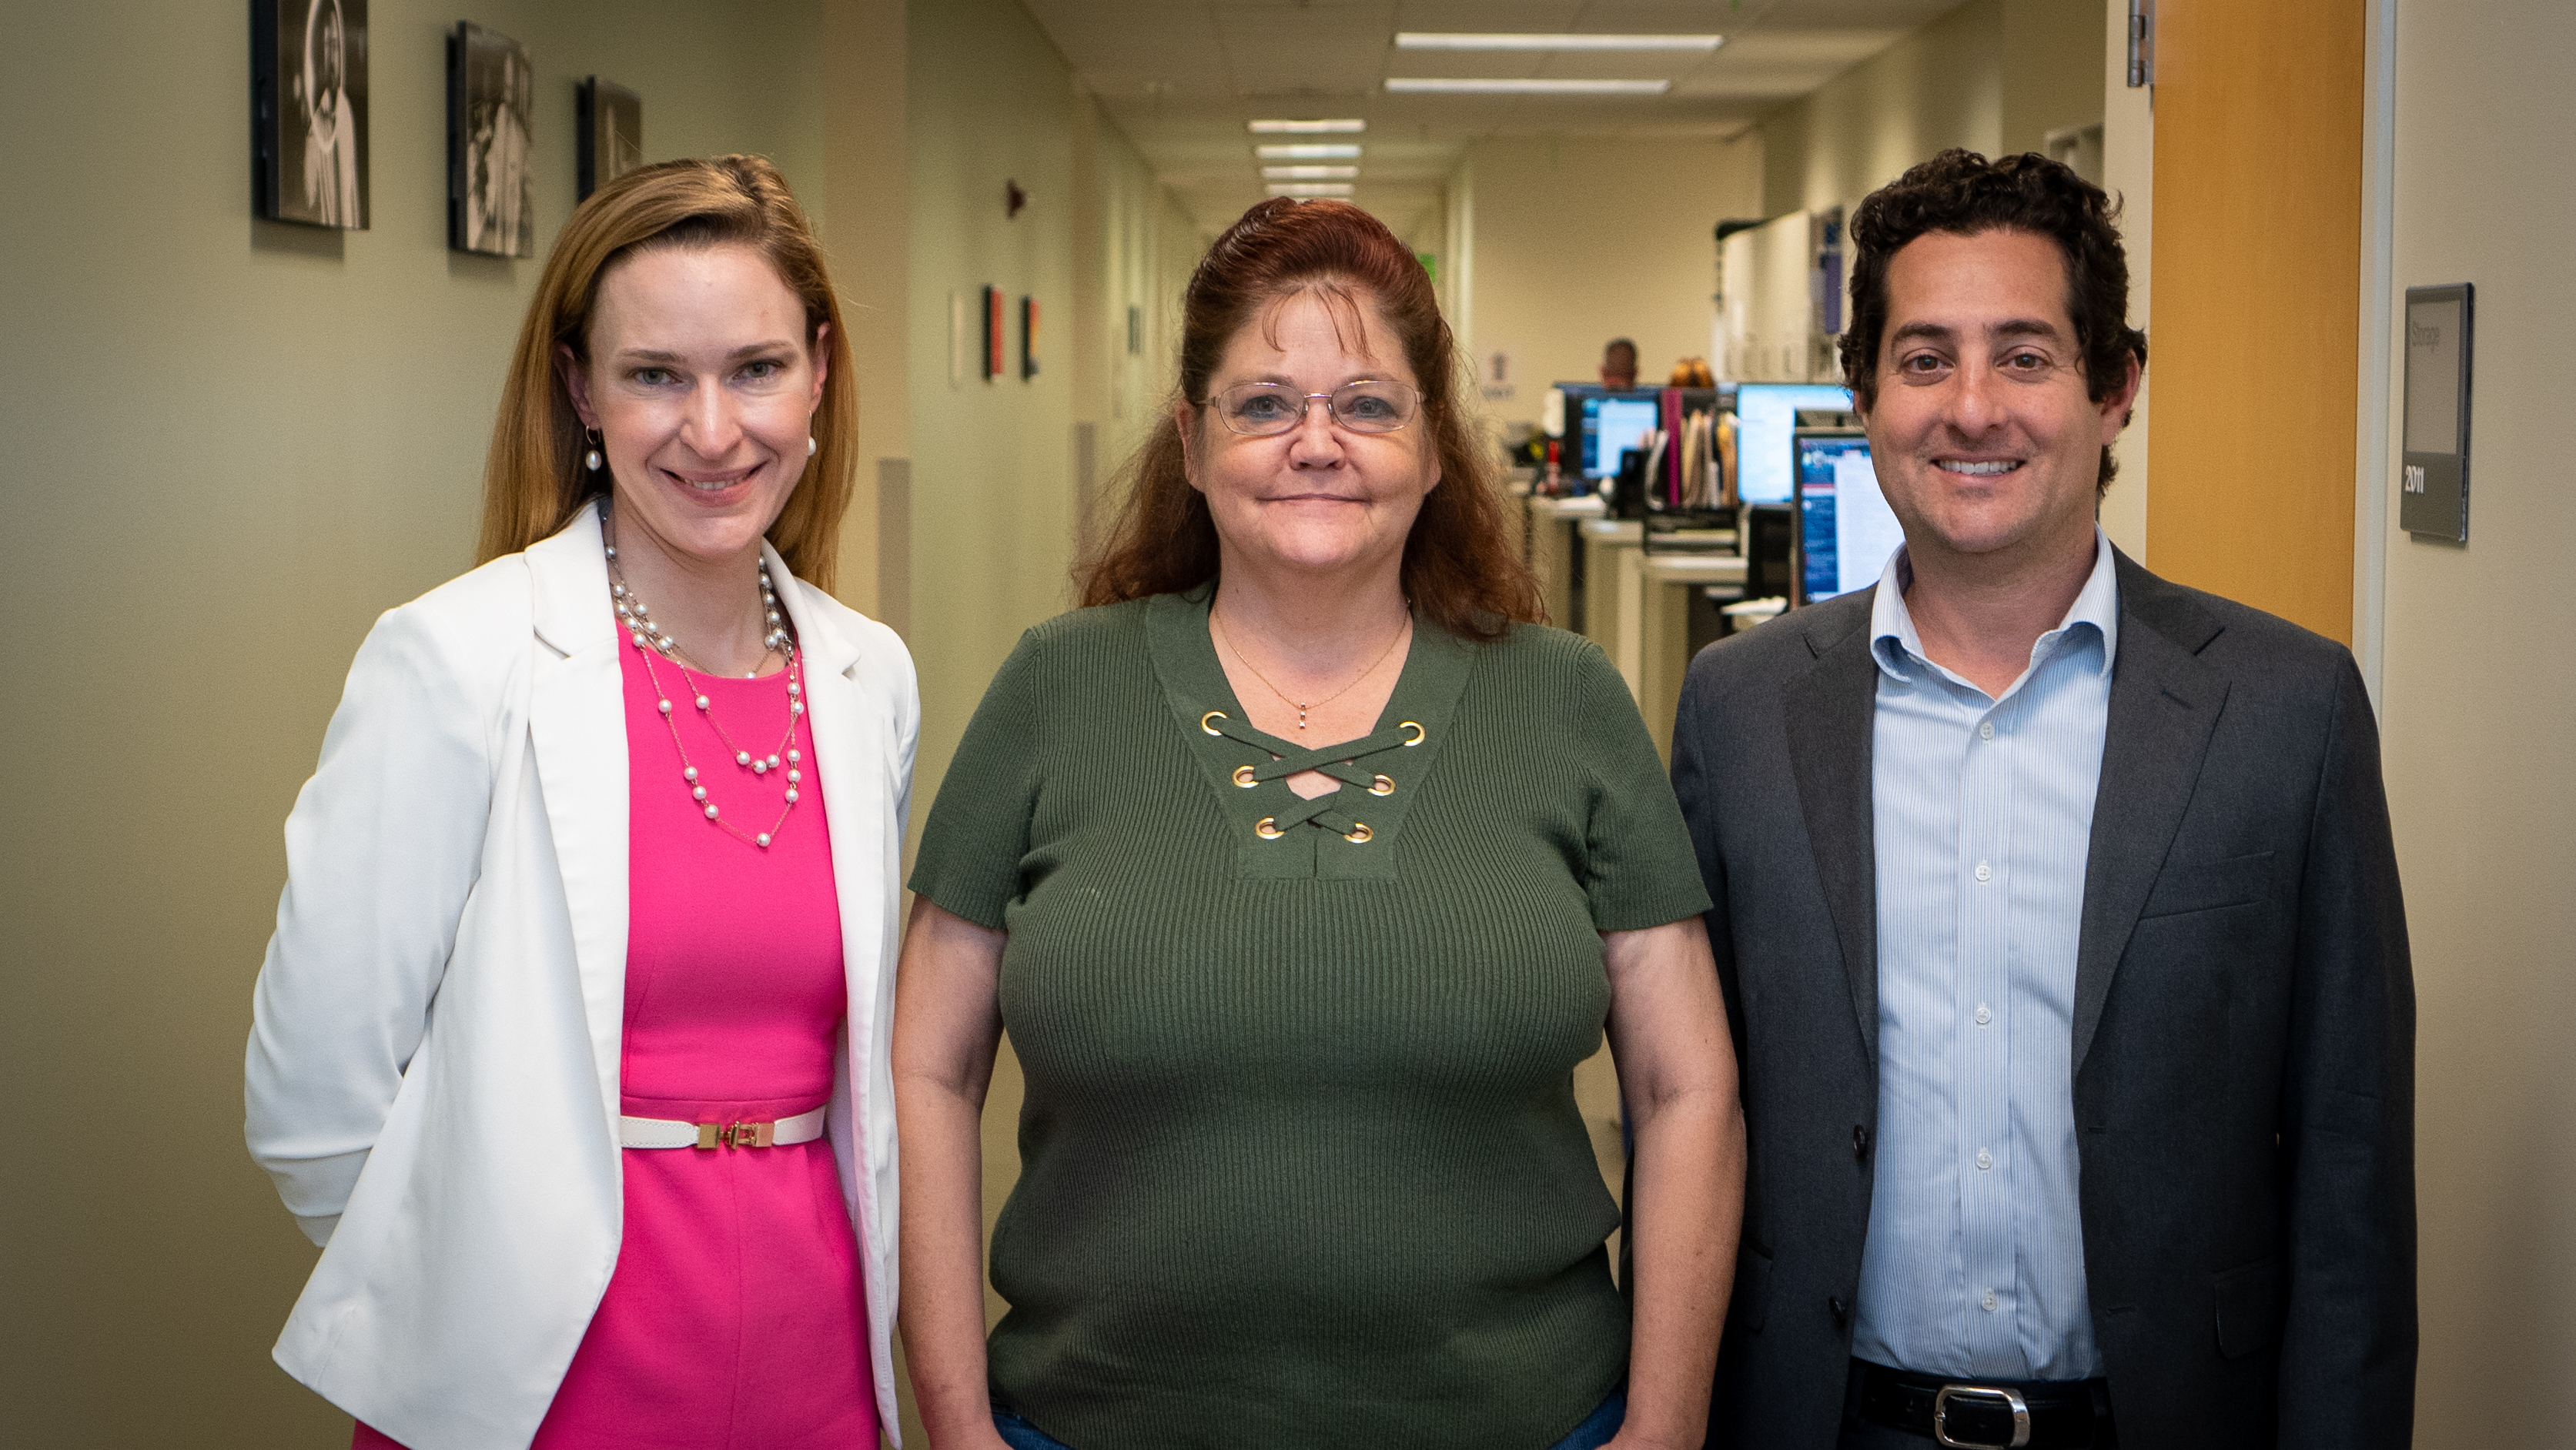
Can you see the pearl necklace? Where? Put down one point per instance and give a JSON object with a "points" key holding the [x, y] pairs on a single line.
{"points": [[641, 631]]}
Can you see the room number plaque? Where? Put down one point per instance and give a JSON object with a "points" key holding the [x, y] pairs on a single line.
{"points": [[2433, 481]]}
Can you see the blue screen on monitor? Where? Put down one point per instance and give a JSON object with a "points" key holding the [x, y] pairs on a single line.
{"points": [[1845, 529], [1765, 414], [1613, 422]]}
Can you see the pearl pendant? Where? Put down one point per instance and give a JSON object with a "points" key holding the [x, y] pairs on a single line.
{"points": [[761, 840], [791, 795], [711, 813], [742, 757], [698, 794], [666, 707]]}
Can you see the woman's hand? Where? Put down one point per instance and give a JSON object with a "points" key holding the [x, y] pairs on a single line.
{"points": [[947, 1026], [1676, 1063]]}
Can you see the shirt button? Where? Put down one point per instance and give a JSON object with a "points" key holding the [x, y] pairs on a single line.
{"points": [[1985, 1014], [1985, 1160], [1986, 731], [1988, 1302], [1985, 872]]}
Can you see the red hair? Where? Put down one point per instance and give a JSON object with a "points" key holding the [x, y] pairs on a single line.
{"points": [[1460, 567]]}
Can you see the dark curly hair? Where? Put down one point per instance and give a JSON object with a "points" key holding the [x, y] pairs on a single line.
{"points": [[1461, 566], [1963, 193]]}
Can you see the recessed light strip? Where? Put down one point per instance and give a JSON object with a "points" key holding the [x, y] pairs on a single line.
{"points": [[1309, 173], [1309, 151], [1453, 40], [1310, 188], [1446, 86], [1305, 128]]}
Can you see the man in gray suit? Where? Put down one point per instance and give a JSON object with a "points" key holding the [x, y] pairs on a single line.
{"points": [[2058, 921]]}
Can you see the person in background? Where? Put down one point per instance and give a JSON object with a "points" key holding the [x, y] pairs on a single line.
{"points": [[2059, 921], [570, 1048], [1619, 364], [1302, 869]]}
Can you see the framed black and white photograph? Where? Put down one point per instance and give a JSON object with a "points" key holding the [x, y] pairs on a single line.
{"points": [[491, 92], [309, 112], [612, 133]]}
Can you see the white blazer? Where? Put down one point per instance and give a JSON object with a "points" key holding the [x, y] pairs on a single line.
{"points": [[434, 1050]]}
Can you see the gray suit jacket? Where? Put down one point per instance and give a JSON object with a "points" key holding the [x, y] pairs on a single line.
{"points": [[2244, 1026]]}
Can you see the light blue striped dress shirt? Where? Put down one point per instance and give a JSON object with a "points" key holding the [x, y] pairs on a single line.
{"points": [[1983, 810]]}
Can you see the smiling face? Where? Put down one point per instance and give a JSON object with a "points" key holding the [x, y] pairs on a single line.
{"points": [[1318, 499], [1985, 442], [703, 390]]}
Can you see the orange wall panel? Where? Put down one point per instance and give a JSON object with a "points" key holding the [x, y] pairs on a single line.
{"points": [[2257, 283]]}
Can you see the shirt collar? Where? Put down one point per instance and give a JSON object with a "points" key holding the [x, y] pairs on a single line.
{"points": [[1894, 643]]}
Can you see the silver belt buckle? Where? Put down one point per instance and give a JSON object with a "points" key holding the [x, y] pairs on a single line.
{"points": [[2009, 1399]]}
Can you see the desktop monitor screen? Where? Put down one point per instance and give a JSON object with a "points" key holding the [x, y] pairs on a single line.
{"points": [[1609, 422], [1845, 529], [1765, 414]]}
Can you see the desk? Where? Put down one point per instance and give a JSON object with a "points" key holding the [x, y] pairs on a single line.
{"points": [[1551, 550], [1662, 639], [1611, 593]]}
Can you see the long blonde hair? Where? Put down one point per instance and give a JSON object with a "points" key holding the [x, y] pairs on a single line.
{"points": [[533, 478]]}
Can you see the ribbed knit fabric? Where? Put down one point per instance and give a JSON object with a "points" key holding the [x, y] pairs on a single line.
{"points": [[1301, 1163]]}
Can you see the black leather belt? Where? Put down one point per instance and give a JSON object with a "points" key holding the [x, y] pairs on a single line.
{"points": [[1986, 1414]]}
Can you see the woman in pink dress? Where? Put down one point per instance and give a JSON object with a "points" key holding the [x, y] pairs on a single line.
{"points": [[570, 1048]]}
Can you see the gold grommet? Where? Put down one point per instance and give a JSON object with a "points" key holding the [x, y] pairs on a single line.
{"points": [[1359, 834], [1211, 715], [1413, 725], [1268, 829], [1243, 777], [1381, 786]]}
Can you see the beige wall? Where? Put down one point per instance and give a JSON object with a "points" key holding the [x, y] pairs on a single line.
{"points": [[1578, 241], [229, 446], [1994, 76], [1941, 86], [2476, 718]]}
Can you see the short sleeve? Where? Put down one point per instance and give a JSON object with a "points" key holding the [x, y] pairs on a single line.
{"points": [[977, 837], [1638, 867]]}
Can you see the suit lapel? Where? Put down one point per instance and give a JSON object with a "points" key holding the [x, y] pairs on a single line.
{"points": [[2164, 703], [577, 732], [1830, 709]]}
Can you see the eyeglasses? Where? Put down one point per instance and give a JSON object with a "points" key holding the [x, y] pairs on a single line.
{"points": [[1260, 410]]}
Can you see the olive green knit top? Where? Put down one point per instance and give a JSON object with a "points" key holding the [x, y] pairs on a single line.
{"points": [[1300, 1158]]}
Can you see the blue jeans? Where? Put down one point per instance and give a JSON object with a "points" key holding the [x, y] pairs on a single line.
{"points": [[1593, 1433]]}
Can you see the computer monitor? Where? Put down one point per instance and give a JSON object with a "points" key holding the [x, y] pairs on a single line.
{"points": [[1765, 415], [1605, 421], [1846, 532]]}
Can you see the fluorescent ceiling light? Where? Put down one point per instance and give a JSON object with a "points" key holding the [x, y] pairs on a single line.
{"points": [[1444, 86], [1450, 40], [1310, 151], [1303, 128], [1309, 173], [1310, 188]]}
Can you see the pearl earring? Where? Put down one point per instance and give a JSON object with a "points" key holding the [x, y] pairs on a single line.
{"points": [[810, 445], [591, 460]]}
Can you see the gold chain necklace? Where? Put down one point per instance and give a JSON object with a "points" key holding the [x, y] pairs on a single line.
{"points": [[1403, 630]]}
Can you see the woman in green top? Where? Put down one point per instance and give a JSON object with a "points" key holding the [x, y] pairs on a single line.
{"points": [[1303, 867]]}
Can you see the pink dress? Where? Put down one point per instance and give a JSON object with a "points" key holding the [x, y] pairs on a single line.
{"points": [[736, 1319]]}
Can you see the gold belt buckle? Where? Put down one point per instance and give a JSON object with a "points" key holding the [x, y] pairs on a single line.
{"points": [[2008, 1399], [736, 1135]]}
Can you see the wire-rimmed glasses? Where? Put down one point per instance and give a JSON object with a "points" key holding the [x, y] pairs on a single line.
{"points": [[1368, 405]]}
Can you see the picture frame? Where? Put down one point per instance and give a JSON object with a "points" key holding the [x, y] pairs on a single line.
{"points": [[993, 333], [491, 98], [611, 128], [309, 112]]}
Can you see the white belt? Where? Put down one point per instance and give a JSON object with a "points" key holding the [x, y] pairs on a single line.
{"points": [[671, 1133]]}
